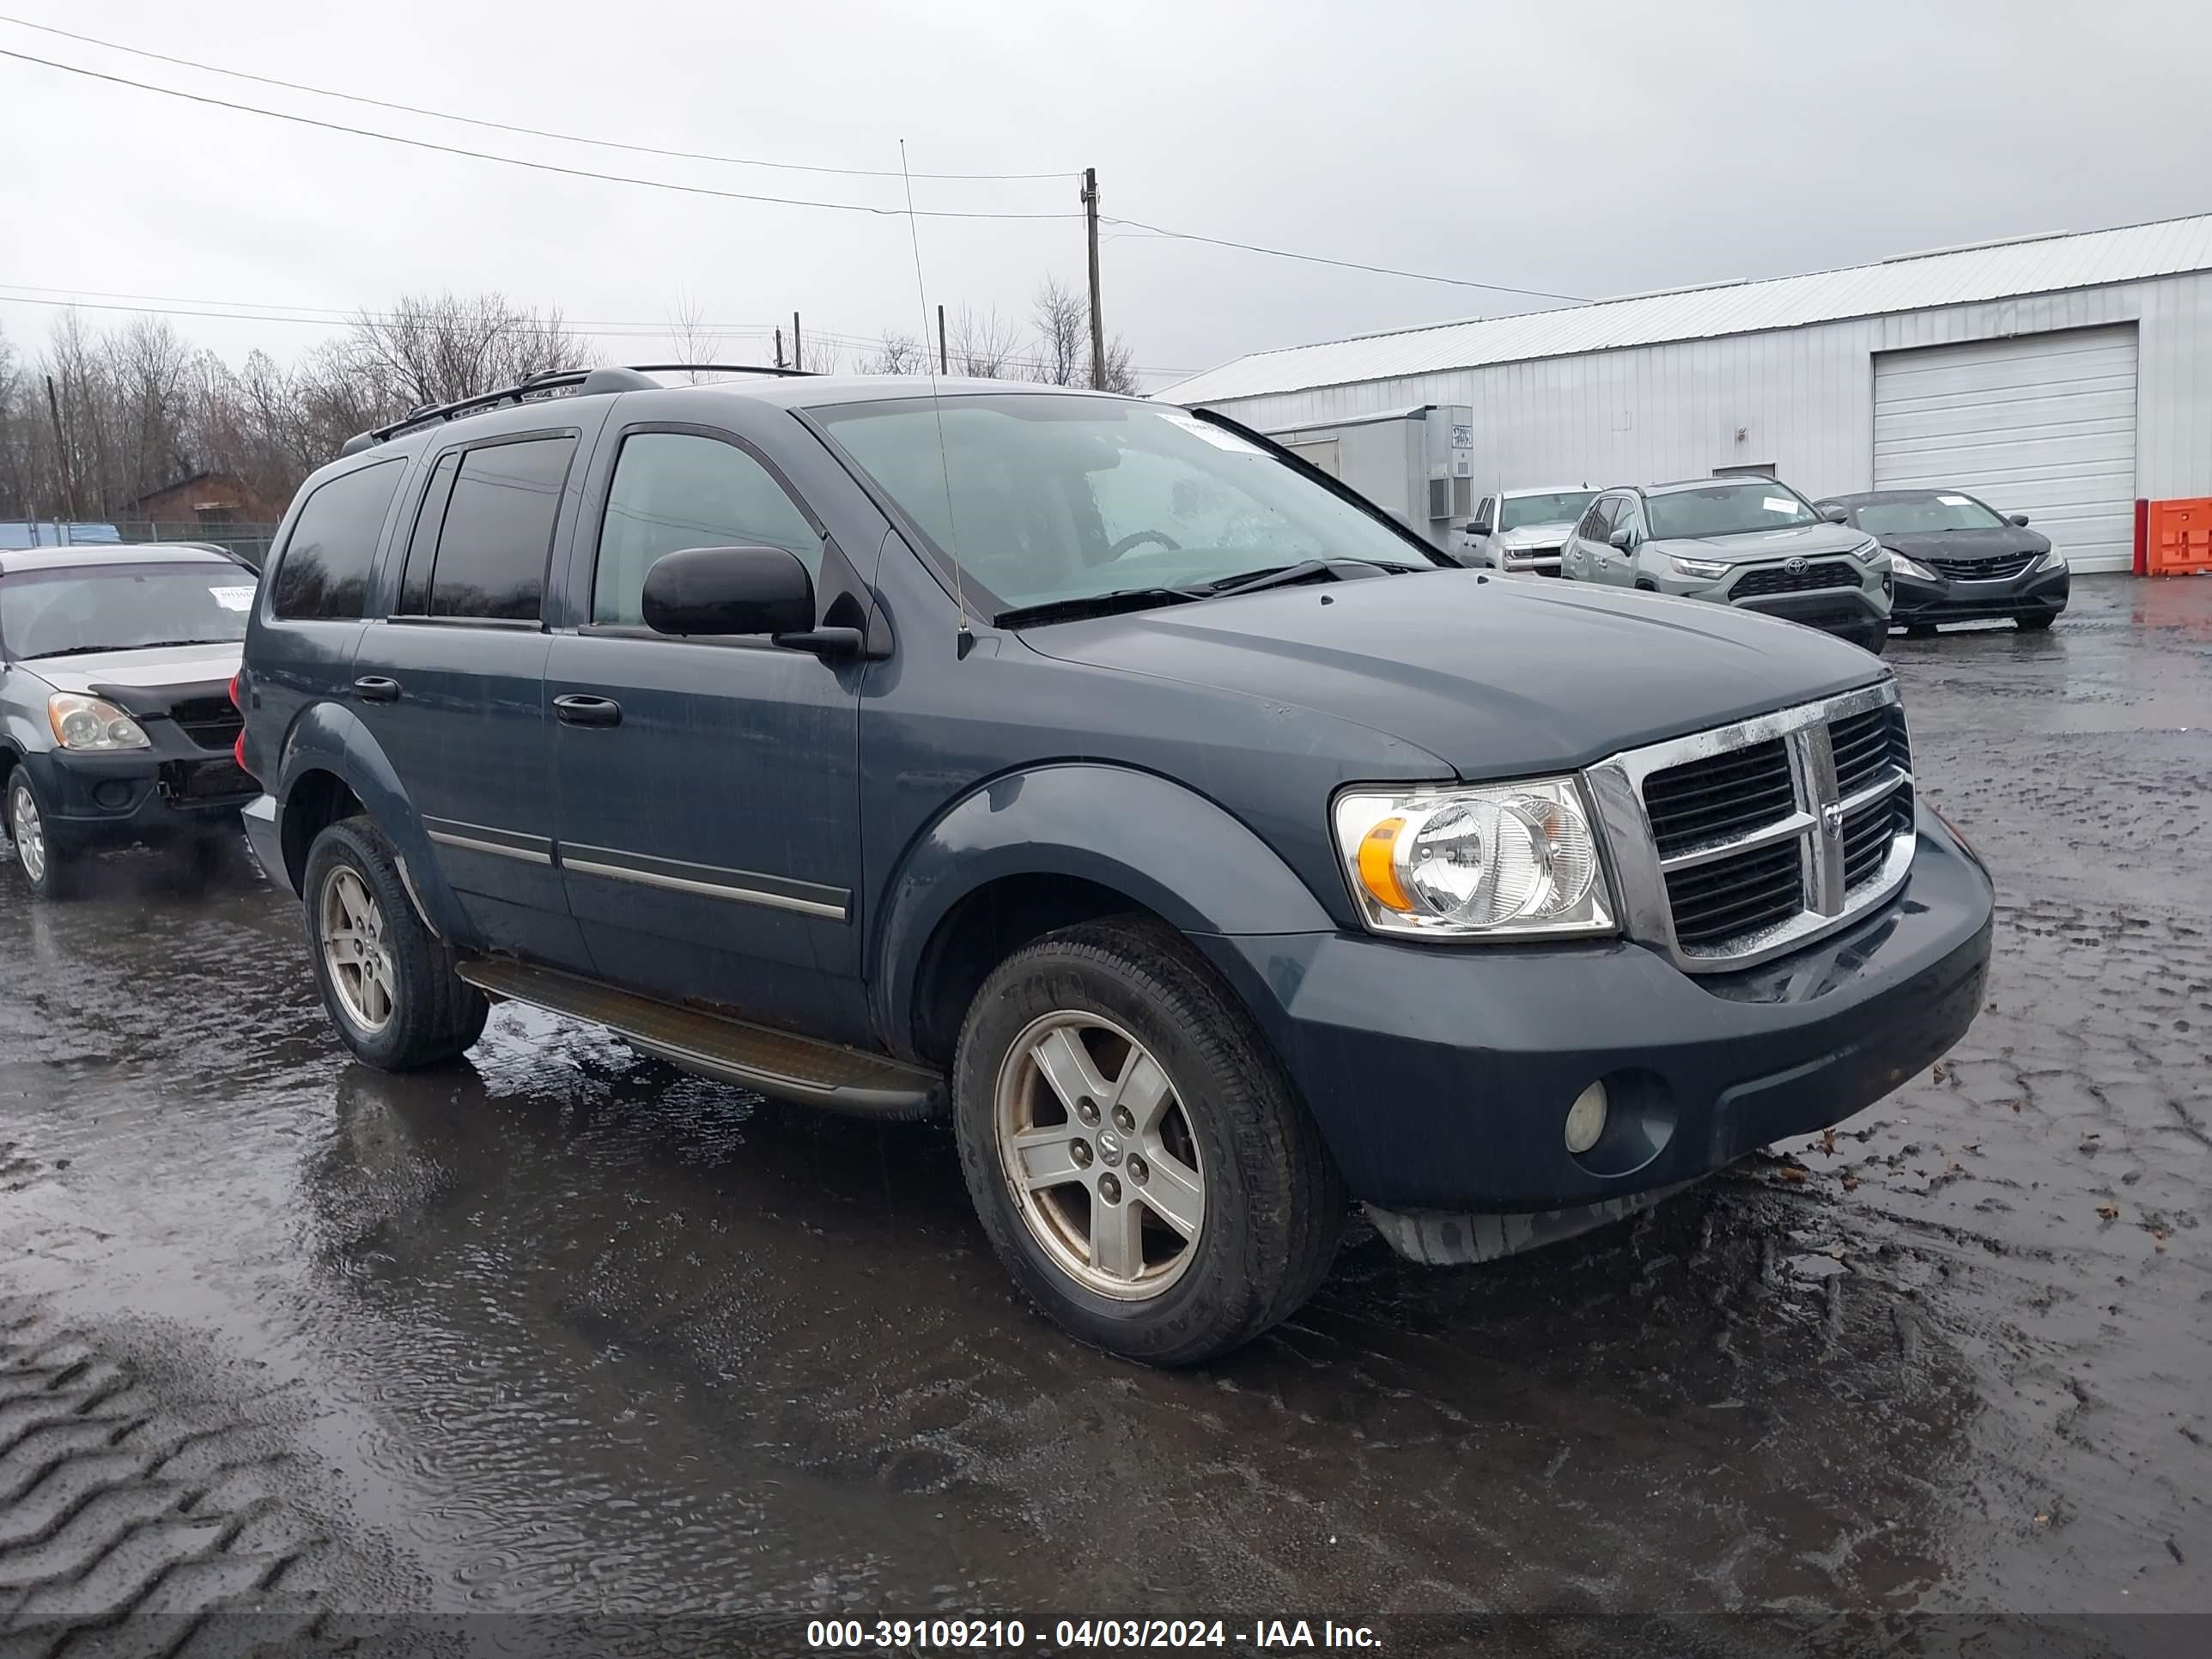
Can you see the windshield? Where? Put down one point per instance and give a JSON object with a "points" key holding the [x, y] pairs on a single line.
{"points": [[1560, 506], [1044, 498], [112, 608], [1727, 509], [1927, 515]]}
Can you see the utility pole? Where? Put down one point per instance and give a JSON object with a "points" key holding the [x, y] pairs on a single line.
{"points": [[1097, 321], [944, 362], [779, 348], [797, 360], [61, 449]]}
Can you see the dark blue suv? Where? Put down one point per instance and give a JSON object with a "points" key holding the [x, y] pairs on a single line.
{"points": [[1101, 776]]}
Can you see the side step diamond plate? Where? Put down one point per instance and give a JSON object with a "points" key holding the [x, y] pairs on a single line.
{"points": [[713, 1045]]}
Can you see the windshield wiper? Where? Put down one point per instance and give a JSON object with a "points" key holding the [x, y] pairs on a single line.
{"points": [[96, 650], [1111, 603], [1304, 570]]}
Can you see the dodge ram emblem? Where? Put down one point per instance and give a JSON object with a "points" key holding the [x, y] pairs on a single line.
{"points": [[1831, 817]]}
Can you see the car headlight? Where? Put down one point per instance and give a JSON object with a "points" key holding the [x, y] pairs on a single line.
{"points": [[1494, 861], [1912, 567], [2054, 560], [92, 723], [1703, 569], [1871, 552]]}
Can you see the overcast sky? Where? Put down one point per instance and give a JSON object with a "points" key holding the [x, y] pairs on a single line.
{"points": [[1586, 149]]}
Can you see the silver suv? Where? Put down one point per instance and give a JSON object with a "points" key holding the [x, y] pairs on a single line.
{"points": [[1752, 543]]}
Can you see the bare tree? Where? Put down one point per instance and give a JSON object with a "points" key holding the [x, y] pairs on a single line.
{"points": [[1063, 326], [438, 350], [982, 344], [1120, 372], [694, 341], [897, 353]]}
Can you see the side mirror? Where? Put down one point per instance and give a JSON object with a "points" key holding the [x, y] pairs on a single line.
{"points": [[1836, 514], [729, 590], [2020, 519], [1478, 528], [1623, 539]]}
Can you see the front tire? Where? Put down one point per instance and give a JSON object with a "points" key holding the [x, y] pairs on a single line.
{"points": [[50, 868], [1140, 1163], [2035, 624], [389, 986]]}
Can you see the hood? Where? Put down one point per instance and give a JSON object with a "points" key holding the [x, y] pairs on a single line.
{"points": [[1538, 535], [163, 666], [1968, 543], [1497, 678], [1810, 541]]}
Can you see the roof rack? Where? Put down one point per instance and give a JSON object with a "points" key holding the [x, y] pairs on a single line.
{"points": [[629, 377]]}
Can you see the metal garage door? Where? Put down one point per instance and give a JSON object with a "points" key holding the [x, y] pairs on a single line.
{"points": [[2043, 424]]}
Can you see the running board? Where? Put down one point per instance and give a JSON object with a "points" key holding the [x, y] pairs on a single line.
{"points": [[774, 1062]]}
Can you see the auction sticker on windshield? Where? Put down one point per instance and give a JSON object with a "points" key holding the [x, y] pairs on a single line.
{"points": [[234, 599], [1773, 506]]}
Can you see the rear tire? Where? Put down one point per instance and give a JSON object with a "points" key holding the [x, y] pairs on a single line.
{"points": [[1921, 631], [390, 987], [1182, 1201], [50, 868], [2035, 624]]}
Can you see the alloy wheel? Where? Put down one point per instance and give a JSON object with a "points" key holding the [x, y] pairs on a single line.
{"points": [[1099, 1152], [28, 833], [361, 971]]}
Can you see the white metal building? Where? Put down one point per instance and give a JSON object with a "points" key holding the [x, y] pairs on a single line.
{"points": [[2065, 377]]}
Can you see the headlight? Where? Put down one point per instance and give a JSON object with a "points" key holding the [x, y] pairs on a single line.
{"points": [[92, 723], [2054, 560], [1703, 569], [1498, 861], [1911, 568], [1873, 553]]}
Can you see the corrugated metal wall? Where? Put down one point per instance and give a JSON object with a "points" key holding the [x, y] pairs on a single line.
{"points": [[1802, 398]]}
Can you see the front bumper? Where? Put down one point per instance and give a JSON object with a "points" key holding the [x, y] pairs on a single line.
{"points": [[1440, 1077], [2031, 593], [174, 788], [1860, 615]]}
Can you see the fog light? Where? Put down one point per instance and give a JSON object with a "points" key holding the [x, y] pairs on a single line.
{"points": [[112, 793], [1586, 1118]]}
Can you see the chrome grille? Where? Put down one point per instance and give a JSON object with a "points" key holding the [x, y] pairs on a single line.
{"points": [[1738, 844], [1709, 800], [2002, 568], [1777, 579]]}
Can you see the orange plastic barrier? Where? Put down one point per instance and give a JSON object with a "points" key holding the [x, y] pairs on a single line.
{"points": [[2179, 538]]}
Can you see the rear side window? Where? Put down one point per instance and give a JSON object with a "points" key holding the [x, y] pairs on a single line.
{"points": [[324, 573], [423, 545], [676, 489], [498, 530]]}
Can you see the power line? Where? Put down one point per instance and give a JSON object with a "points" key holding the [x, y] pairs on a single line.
{"points": [[513, 161], [1348, 264], [332, 317], [505, 126]]}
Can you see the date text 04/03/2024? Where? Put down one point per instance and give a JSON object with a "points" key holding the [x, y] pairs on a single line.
{"points": [[1084, 1634]]}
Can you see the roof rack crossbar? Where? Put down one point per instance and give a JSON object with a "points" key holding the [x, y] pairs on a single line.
{"points": [[527, 391]]}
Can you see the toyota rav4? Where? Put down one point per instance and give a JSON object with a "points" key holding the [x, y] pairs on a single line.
{"points": [[1098, 776]]}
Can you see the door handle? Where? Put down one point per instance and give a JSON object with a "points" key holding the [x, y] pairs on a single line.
{"points": [[574, 710], [376, 687]]}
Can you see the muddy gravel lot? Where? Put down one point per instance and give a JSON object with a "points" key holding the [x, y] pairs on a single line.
{"points": [[563, 1332]]}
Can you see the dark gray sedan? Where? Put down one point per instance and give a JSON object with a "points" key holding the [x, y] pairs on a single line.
{"points": [[116, 722], [1956, 559]]}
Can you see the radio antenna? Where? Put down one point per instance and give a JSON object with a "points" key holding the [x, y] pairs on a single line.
{"points": [[964, 640]]}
